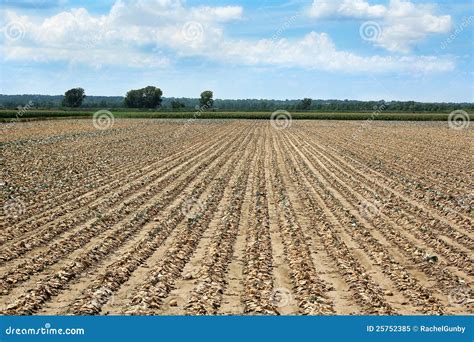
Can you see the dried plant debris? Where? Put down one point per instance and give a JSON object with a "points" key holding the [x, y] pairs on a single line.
{"points": [[236, 217]]}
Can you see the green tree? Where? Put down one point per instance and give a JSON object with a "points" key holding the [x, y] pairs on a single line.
{"points": [[305, 104], [152, 97], [133, 99], [148, 97], [206, 99], [73, 97], [175, 104]]}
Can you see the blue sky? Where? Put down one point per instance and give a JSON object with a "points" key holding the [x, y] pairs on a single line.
{"points": [[339, 49]]}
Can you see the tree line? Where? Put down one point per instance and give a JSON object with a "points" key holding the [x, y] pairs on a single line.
{"points": [[151, 98]]}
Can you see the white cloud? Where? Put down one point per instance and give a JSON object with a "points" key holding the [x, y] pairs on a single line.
{"points": [[220, 14], [406, 24], [133, 31], [317, 51], [402, 23], [345, 8], [116, 38]]}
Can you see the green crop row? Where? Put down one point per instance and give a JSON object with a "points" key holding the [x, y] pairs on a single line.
{"points": [[8, 115]]}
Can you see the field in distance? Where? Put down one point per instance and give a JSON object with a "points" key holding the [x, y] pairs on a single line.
{"points": [[236, 217], [34, 114]]}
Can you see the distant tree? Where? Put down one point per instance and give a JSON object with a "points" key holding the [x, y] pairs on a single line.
{"points": [[305, 104], [73, 97], [175, 104], [152, 97], [148, 97], [206, 99], [133, 99], [136, 99]]}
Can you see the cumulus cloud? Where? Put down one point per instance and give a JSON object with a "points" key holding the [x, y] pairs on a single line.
{"points": [[317, 51], [346, 8], [402, 23], [116, 38], [407, 23], [153, 33]]}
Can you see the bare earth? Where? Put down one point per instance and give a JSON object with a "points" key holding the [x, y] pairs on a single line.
{"points": [[236, 217]]}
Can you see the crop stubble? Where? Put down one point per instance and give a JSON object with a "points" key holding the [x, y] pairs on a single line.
{"points": [[237, 217]]}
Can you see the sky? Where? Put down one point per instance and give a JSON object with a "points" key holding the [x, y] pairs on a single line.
{"points": [[288, 49]]}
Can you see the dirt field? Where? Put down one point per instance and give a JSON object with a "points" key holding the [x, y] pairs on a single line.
{"points": [[237, 217]]}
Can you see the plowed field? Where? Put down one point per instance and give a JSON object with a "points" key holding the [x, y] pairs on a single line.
{"points": [[236, 217]]}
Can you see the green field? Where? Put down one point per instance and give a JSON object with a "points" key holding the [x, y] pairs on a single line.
{"points": [[8, 115]]}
